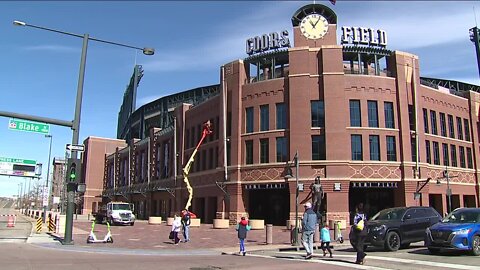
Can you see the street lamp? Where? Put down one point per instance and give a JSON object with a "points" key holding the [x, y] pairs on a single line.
{"points": [[46, 190], [288, 174], [449, 191], [71, 188]]}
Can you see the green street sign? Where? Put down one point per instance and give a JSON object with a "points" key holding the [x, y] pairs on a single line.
{"points": [[29, 126]]}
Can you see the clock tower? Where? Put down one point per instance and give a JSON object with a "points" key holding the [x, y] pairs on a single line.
{"points": [[314, 25]]}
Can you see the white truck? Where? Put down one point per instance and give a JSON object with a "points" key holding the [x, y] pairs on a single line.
{"points": [[116, 213]]}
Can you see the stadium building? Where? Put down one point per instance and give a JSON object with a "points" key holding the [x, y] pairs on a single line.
{"points": [[354, 114]]}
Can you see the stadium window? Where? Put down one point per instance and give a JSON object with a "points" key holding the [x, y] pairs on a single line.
{"points": [[355, 113], [459, 129], [461, 152], [389, 116], [411, 117], [317, 113], [391, 148], [281, 116], [372, 113], [469, 158], [281, 143], [249, 152], [425, 120], [451, 129], [453, 155], [374, 143], [413, 146], [467, 129], [356, 145], [436, 153], [446, 160], [264, 151], [443, 125], [433, 119], [318, 147], [249, 120], [264, 118], [428, 152]]}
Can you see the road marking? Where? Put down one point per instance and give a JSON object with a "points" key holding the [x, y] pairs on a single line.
{"points": [[418, 262], [337, 263], [134, 239]]}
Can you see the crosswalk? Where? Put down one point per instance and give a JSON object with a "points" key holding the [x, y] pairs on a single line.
{"points": [[374, 262]]}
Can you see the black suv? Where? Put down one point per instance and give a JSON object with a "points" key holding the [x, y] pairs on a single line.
{"points": [[395, 228]]}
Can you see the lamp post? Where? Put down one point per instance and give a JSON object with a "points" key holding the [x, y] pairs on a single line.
{"points": [[449, 191], [46, 190], [288, 174], [71, 188]]}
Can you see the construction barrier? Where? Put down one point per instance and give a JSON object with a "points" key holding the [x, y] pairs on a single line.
{"points": [[39, 225], [11, 219], [51, 224]]}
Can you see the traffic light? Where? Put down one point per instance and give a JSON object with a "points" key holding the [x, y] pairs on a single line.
{"points": [[74, 170]]}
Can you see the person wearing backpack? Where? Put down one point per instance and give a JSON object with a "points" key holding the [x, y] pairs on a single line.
{"points": [[242, 228]]}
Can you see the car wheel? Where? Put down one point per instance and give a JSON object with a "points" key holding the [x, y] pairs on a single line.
{"points": [[131, 224], [392, 241], [434, 251], [476, 245], [406, 245]]}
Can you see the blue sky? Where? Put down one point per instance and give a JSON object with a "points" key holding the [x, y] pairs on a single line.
{"points": [[192, 39]]}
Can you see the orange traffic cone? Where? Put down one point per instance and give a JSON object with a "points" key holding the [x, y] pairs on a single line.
{"points": [[11, 222]]}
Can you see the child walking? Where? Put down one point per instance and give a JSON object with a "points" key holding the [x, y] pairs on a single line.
{"points": [[242, 228], [325, 237]]}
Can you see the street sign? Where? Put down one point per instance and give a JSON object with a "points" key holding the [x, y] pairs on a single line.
{"points": [[76, 147], [17, 167], [29, 126]]}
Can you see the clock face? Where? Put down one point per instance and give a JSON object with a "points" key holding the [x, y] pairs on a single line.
{"points": [[314, 26]]}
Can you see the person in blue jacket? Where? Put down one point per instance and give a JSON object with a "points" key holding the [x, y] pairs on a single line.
{"points": [[325, 237]]}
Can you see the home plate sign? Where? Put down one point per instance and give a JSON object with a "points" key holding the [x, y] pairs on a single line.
{"points": [[76, 147]]}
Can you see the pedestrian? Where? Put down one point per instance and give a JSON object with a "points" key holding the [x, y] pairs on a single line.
{"points": [[242, 228], [325, 237], [359, 233], [186, 219], [309, 222], [176, 225]]}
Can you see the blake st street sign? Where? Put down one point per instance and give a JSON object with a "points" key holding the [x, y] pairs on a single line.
{"points": [[29, 126]]}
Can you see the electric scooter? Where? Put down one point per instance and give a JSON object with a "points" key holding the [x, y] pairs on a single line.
{"points": [[92, 238]]}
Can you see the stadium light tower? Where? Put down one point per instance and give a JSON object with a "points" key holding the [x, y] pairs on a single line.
{"points": [[475, 38], [71, 187]]}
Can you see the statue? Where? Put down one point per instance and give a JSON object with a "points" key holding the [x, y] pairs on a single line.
{"points": [[317, 196]]}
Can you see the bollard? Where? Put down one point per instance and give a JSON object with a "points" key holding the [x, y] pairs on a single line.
{"points": [[38, 227], [316, 235], [269, 234]]}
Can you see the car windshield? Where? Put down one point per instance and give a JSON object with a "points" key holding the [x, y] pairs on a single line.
{"points": [[123, 206], [460, 216], [389, 214]]}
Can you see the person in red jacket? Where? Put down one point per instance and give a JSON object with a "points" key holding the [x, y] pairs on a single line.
{"points": [[242, 228]]}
